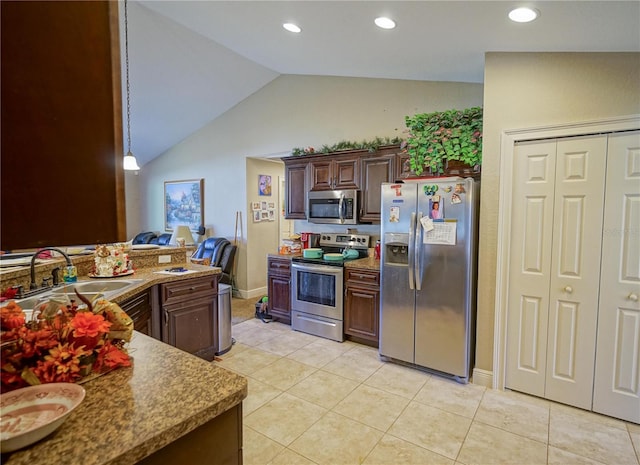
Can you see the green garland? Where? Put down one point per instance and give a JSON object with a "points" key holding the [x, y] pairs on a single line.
{"points": [[445, 135], [371, 146]]}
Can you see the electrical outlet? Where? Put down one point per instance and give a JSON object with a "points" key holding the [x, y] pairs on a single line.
{"points": [[164, 258]]}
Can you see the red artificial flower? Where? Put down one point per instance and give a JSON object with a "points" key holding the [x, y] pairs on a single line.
{"points": [[62, 365], [88, 328], [11, 316], [111, 357], [9, 293]]}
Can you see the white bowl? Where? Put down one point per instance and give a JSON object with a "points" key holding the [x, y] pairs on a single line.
{"points": [[31, 413]]}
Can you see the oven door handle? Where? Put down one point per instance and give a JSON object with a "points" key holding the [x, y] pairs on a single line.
{"points": [[327, 269]]}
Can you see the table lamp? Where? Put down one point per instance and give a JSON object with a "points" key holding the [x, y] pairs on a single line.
{"points": [[184, 232]]}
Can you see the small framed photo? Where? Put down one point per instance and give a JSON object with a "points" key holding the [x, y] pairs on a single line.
{"points": [[263, 206], [264, 184], [272, 205], [255, 206], [256, 216], [264, 215], [272, 215]]}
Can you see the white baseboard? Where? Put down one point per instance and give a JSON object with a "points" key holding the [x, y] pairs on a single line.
{"points": [[483, 378], [250, 294]]}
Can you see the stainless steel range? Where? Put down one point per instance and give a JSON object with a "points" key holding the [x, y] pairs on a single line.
{"points": [[317, 286]]}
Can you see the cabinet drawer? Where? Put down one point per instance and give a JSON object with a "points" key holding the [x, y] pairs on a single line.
{"points": [[279, 266], [188, 289], [359, 277]]}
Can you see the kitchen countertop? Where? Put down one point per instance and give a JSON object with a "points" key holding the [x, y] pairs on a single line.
{"points": [[145, 264], [368, 263], [131, 412]]}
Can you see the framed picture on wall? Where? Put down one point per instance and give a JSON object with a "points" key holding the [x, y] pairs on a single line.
{"points": [[184, 204], [256, 216], [264, 184]]}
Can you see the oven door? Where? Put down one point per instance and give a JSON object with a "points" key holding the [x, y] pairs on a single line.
{"points": [[317, 289]]}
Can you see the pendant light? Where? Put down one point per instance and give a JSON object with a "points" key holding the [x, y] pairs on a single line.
{"points": [[130, 162]]}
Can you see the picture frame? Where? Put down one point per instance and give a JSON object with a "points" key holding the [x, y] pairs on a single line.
{"points": [[256, 216], [255, 206], [264, 185], [184, 204]]}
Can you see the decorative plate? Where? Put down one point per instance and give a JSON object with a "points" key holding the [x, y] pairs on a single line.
{"points": [[31, 413], [100, 276]]}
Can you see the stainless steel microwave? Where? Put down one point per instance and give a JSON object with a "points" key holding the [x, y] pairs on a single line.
{"points": [[333, 207]]}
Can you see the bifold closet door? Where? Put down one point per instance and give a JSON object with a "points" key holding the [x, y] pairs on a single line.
{"points": [[534, 168], [617, 368], [557, 213], [575, 269]]}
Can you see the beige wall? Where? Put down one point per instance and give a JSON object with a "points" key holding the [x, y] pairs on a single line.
{"points": [[291, 111], [262, 237], [525, 90]]}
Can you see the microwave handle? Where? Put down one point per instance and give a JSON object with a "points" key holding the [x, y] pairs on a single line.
{"points": [[341, 208]]}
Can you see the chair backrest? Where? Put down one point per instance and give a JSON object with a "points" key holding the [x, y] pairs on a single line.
{"points": [[211, 248], [144, 238], [163, 239], [226, 263]]}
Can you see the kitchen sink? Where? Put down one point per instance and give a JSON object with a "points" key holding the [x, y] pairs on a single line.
{"points": [[96, 286], [89, 289]]}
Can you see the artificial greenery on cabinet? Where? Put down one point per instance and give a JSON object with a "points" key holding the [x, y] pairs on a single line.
{"points": [[435, 138], [370, 145]]}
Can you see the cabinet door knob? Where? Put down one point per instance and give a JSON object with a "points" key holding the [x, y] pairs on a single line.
{"points": [[568, 289], [633, 297]]}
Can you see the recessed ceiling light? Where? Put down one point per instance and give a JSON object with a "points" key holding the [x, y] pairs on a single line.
{"points": [[385, 23], [523, 15], [291, 27]]}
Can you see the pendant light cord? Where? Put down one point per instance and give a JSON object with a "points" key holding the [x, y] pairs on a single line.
{"points": [[126, 54]]}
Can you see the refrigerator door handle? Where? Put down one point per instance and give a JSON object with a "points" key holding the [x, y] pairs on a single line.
{"points": [[418, 252], [412, 264]]}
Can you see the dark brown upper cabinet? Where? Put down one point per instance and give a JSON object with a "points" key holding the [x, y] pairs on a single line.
{"points": [[61, 167]]}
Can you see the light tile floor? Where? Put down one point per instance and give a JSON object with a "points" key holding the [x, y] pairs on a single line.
{"points": [[315, 401]]}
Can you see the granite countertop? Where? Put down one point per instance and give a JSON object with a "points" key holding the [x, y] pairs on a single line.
{"points": [[131, 412], [145, 263], [156, 275], [367, 263]]}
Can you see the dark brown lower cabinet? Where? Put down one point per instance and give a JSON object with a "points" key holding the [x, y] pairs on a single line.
{"points": [[279, 288], [189, 312], [140, 310], [362, 306], [217, 442]]}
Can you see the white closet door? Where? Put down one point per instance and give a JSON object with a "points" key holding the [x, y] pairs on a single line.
{"points": [[617, 371], [575, 269], [530, 264]]}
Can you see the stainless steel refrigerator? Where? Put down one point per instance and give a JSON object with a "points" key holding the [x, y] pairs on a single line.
{"points": [[429, 235]]}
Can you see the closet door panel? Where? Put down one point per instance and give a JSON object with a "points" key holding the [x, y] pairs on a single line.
{"points": [[528, 300], [575, 269], [617, 370]]}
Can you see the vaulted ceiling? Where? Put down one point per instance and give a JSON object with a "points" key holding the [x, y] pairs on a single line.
{"points": [[191, 61]]}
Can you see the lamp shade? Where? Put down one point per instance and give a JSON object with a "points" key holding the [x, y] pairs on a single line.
{"points": [[184, 232]]}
